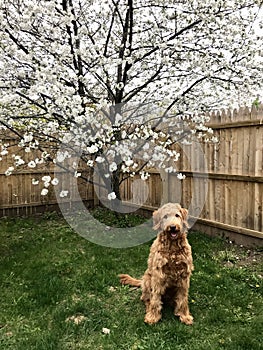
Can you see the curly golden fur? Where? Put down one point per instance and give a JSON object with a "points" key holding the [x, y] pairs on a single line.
{"points": [[169, 266]]}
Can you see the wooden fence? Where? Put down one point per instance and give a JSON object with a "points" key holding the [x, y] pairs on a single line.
{"points": [[234, 201], [223, 187], [19, 196]]}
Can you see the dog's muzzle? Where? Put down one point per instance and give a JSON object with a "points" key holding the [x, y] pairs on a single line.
{"points": [[173, 231]]}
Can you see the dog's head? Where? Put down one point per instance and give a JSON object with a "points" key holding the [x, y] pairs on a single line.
{"points": [[171, 218]]}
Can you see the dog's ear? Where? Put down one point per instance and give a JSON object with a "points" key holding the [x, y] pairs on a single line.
{"points": [[156, 220], [184, 213]]}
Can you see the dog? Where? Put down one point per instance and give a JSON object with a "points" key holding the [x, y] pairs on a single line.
{"points": [[170, 266]]}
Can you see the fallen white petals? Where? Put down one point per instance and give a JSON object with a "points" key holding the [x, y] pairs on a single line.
{"points": [[105, 330], [76, 319]]}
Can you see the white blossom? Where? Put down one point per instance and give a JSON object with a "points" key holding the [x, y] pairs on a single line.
{"points": [[146, 146], [111, 196], [39, 161], [119, 86], [28, 137], [144, 175], [9, 171], [32, 164], [180, 176], [44, 192], [214, 139], [93, 149], [129, 162], [99, 159], [19, 161], [46, 178], [63, 193], [35, 182], [112, 167], [61, 156], [169, 169], [55, 181], [4, 152]]}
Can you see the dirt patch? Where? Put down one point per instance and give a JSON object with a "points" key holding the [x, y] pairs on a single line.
{"points": [[253, 257], [238, 256]]}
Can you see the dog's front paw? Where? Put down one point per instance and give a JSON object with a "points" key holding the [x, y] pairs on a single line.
{"points": [[150, 318], [188, 319]]}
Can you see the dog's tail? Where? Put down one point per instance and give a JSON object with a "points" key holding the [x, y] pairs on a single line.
{"points": [[127, 279]]}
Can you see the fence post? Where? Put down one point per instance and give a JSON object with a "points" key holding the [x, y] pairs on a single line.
{"points": [[165, 185], [96, 190]]}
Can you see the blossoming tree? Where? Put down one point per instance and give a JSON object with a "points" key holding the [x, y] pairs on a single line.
{"points": [[117, 83]]}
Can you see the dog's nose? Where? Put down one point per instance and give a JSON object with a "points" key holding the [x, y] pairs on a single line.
{"points": [[173, 228]]}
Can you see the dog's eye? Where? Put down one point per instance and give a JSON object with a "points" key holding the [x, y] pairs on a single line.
{"points": [[165, 216], [177, 215]]}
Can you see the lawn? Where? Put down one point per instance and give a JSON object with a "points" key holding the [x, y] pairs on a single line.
{"points": [[61, 292]]}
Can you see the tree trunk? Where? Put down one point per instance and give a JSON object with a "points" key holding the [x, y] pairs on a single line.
{"points": [[115, 183], [115, 186]]}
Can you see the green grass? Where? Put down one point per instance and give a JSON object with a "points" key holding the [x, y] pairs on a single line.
{"points": [[58, 291]]}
